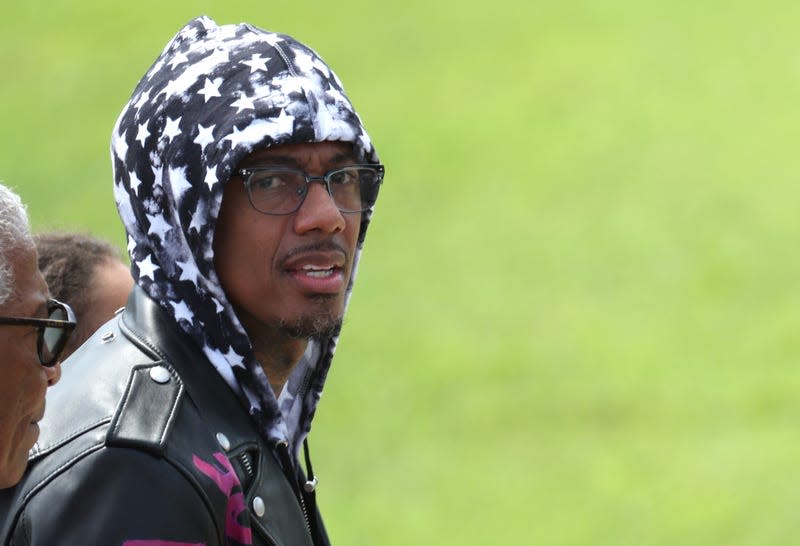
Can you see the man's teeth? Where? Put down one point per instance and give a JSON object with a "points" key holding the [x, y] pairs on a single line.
{"points": [[318, 272]]}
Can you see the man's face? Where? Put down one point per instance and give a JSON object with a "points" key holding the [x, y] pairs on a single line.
{"points": [[24, 381], [288, 274]]}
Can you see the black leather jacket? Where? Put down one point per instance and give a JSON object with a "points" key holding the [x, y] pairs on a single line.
{"points": [[144, 444]]}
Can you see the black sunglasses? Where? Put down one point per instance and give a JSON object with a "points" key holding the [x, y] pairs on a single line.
{"points": [[53, 332]]}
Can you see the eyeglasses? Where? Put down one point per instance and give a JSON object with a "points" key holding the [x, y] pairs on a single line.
{"points": [[53, 331], [280, 190]]}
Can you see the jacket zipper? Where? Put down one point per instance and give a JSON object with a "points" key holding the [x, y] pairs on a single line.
{"points": [[247, 464], [283, 452]]}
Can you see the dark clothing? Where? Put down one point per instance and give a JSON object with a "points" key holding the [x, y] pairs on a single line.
{"points": [[155, 448]]}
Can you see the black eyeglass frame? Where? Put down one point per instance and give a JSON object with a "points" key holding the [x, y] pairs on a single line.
{"points": [[66, 327], [246, 173]]}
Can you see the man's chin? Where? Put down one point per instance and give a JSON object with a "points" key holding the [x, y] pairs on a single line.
{"points": [[311, 327], [319, 317]]}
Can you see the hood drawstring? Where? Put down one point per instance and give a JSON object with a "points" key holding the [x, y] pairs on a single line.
{"points": [[306, 495], [310, 493], [311, 481]]}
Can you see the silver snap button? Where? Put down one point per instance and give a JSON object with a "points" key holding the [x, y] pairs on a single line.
{"points": [[258, 506], [159, 374], [223, 441], [108, 336]]}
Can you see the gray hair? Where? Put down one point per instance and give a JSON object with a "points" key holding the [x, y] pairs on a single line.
{"points": [[14, 235]]}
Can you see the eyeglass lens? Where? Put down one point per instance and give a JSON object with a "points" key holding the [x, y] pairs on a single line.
{"points": [[51, 337], [279, 191]]}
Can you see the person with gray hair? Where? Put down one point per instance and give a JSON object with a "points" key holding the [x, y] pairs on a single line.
{"points": [[33, 331], [14, 232]]}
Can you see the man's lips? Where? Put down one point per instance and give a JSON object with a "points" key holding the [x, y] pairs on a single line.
{"points": [[316, 260], [317, 271]]}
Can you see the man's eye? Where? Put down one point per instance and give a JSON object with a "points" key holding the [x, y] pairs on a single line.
{"points": [[344, 177], [268, 182]]}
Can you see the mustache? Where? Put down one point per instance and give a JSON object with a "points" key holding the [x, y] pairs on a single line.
{"points": [[320, 246]]}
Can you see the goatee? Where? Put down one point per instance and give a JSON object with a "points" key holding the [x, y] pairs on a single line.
{"points": [[316, 328]]}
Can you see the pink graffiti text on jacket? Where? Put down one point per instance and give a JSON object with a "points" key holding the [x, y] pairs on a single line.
{"points": [[224, 476]]}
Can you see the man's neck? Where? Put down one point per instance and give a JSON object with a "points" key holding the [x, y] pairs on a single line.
{"points": [[277, 352], [278, 356]]}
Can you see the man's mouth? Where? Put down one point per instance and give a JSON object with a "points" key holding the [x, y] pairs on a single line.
{"points": [[320, 278], [319, 272]]}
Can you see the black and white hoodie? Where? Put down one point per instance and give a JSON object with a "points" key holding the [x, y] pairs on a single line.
{"points": [[214, 95]]}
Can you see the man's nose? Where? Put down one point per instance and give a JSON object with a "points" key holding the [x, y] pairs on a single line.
{"points": [[318, 212]]}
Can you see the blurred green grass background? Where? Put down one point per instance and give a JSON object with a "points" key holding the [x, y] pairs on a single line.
{"points": [[577, 312]]}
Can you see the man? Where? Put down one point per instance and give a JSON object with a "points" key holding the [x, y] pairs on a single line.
{"points": [[87, 274], [33, 330], [246, 182]]}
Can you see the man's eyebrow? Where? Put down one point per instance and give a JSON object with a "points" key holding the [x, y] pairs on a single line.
{"points": [[277, 160], [292, 162], [343, 157]]}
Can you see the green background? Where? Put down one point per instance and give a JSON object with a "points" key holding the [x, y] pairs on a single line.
{"points": [[576, 316]]}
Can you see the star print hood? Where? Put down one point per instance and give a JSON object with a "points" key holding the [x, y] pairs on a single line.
{"points": [[213, 96]]}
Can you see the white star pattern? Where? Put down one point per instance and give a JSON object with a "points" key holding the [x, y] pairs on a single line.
{"points": [[332, 127], [142, 100], [243, 103], [180, 184], [121, 196], [155, 69], [135, 182], [179, 58], [189, 272], [257, 62], [211, 176], [174, 87], [172, 128], [236, 137], [182, 311], [218, 56], [198, 221], [131, 245], [120, 145], [335, 95], [234, 358], [158, 226], [147, 268], [304, 61], [205, 136], [226, 32], [217, 359], [211, 89], [284, 123], [143, 133], [288, 85], [365, 142], [273, 39]]}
